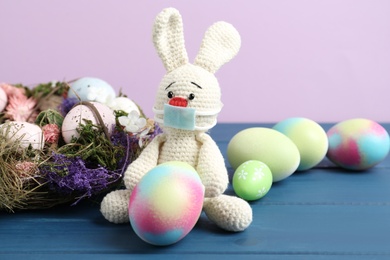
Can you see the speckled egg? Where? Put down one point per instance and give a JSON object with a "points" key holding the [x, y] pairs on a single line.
{"points": [[358, 144], [76, 116], [252, 180], [3, 99], [25, 133], [308, 136], [91, 89], [267, 145], [166, 203]]}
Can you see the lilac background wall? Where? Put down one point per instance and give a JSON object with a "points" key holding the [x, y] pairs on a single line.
{"points": [[325, 60]]}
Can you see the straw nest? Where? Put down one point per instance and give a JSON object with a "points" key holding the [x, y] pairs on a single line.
{"points": [[85, 168]]}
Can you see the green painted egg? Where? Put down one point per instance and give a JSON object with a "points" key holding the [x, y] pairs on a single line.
{"points": [[252, 180], [267, 145], [308, 136]]}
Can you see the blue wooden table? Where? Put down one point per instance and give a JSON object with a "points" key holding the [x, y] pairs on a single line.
{"points": [[323, 213]]}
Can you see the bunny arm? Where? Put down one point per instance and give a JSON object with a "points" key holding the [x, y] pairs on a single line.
{"points": [[211, 167], [145, 162]]}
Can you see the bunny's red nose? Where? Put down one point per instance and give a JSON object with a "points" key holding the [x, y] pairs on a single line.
{"points": [[178, 102]]}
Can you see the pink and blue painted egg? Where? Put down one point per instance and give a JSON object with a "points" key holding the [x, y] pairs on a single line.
{"points": [[166, 204], [357, 144]]}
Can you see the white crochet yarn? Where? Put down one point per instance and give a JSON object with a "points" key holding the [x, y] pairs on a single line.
{"points": [[220, 44]]}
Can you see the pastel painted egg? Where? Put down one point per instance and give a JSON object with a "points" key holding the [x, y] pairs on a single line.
{"points": [[91, 89], [252, 180], [166, 204], [309, 137], [76, 116], [357, 144], [267, 145], [25, 133], [3, 99]]}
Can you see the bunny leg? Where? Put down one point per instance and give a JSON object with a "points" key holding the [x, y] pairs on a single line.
{"points": [[114, 206], [228, 212]]}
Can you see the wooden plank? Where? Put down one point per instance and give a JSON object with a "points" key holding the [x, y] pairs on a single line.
{"points": [[276, 230], [324, 213]]}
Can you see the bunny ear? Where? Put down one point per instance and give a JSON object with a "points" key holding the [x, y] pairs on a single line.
{"points": [[168, 39], [220, 44]]}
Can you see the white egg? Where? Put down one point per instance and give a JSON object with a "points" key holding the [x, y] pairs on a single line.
{"points": [[92, 89], [26, 133], [3, 99], [78, 114], [124, 104]]}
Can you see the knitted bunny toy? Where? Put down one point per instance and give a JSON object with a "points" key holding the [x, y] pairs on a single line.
{"points": [[187, 105]]}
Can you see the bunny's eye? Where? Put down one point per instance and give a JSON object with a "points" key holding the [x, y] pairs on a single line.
{"points": [[170, 94], [191, 96]]}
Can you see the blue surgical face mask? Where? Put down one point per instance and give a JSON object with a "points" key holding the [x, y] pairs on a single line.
{"points": [[183, 117]]}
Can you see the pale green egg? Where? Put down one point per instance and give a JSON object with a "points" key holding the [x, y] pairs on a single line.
{"points": [[252, 180], [267, 145], [308, 136]]}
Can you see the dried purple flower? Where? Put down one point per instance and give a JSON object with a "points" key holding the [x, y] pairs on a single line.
{"points": [[72, 177], [67, 105]]}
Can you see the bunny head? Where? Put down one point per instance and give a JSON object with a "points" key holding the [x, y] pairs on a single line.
{"points": [[189, 95]]}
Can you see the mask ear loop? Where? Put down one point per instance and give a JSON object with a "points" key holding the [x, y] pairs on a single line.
{"points": [[208, 113], [158, 111], [205, 128]]}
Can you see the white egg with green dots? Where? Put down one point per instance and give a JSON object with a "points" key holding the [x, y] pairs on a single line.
{"points": [[252, 180], [309, 137]]}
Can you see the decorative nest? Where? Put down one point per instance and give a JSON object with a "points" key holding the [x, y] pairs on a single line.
{"points": [[58, 172]]}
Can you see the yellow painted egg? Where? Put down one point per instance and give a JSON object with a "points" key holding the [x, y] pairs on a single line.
{"points": [[267, 145], [308, 136]]}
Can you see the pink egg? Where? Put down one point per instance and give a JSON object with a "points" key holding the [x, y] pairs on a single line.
{"points": [[78, 114], [166, 203]]}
